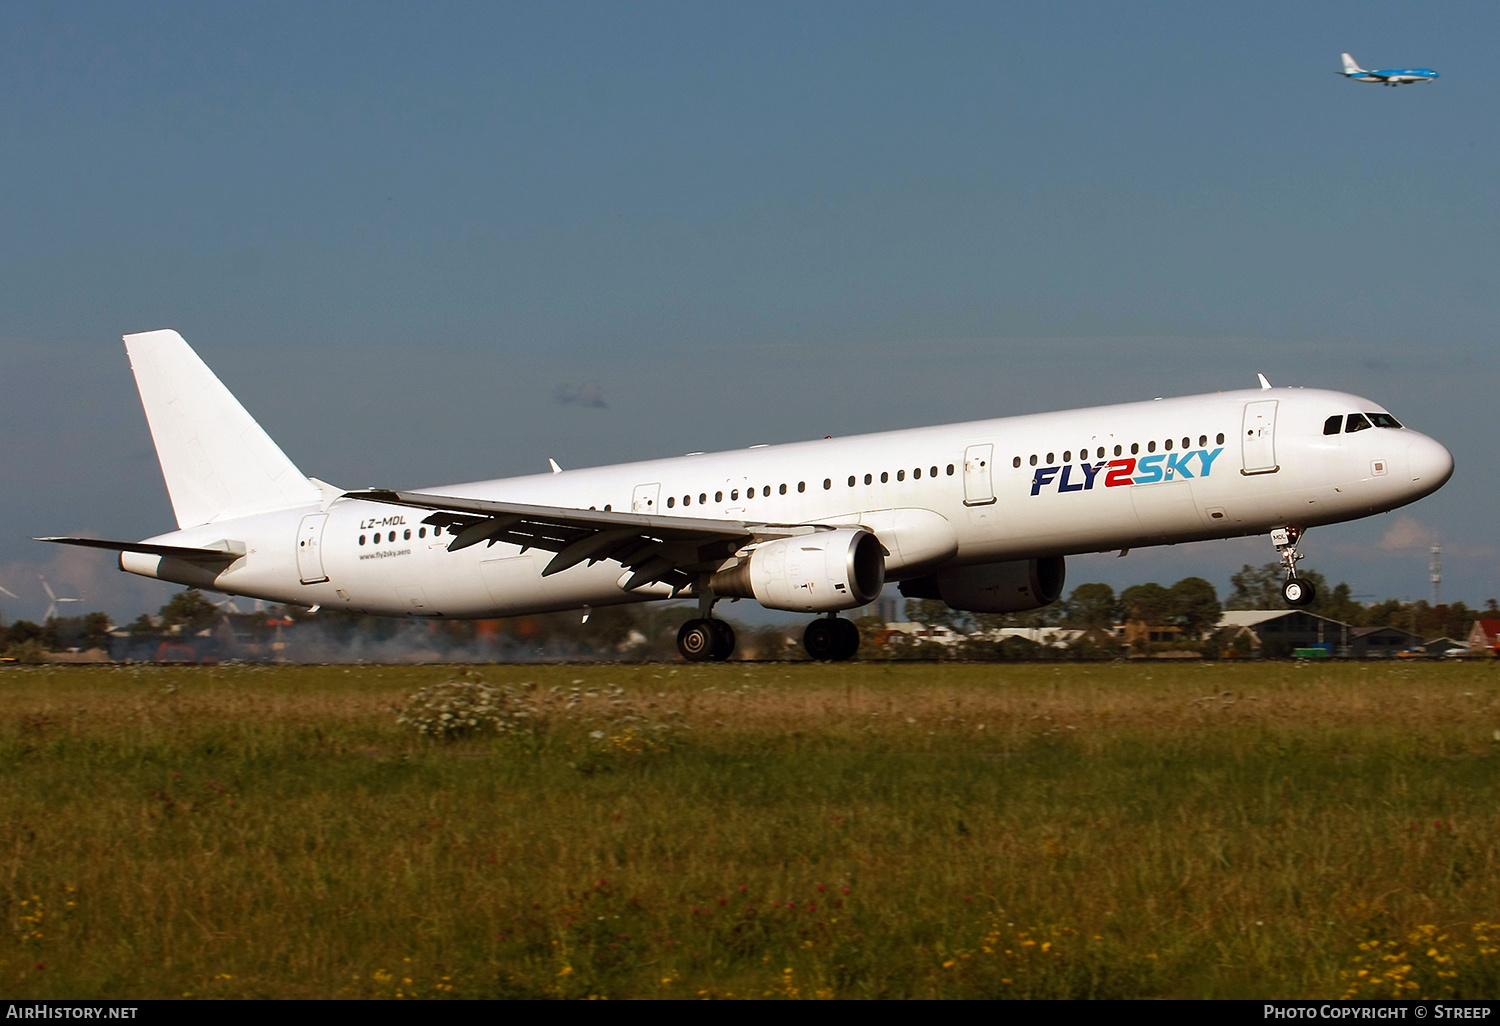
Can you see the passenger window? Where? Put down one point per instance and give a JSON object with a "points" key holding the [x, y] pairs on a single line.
{"points": [[671, 502], [1221, 439], [851, 480], [1331, 425], [438, 530], [1119, 449], [703, 498], [1068, 456], [391, 536], [765, 493], [734, 496], [422, 533], [1202, 441], [916, 475], [687, 500], [1168, 444], [901, 474], [1135, 447], [933, 472], [801, 486], [375, 538], [1033, 459], [950, 470], [1051, 459], [1355, 422], [361, 539], [718, 496], [869, 479], [1100, 453], [406, 535], [1187, 443], [884, 477], [782, 490], [1150, 446], [1016, 462], [827, 483]]}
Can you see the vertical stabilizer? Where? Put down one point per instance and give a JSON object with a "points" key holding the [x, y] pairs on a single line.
{"points": [[217, 460], [1350, 68]]}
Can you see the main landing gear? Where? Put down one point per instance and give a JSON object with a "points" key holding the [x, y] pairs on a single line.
{"points": [[705, 639], [831, 639], [1295, 591]]}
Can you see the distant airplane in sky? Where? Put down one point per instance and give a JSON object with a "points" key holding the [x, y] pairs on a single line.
{"points": [[979, 515], [1390, 77]]}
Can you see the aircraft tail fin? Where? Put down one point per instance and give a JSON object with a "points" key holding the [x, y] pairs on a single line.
{"points": [[216, 459], [1351, 68]]}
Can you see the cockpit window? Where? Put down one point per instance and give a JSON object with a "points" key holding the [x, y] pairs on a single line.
{"points": [[1356, 422], [1332, 424], [1384, 420]]}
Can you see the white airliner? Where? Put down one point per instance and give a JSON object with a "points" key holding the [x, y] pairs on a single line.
{"points": [[1390, 76], [979, 515]]}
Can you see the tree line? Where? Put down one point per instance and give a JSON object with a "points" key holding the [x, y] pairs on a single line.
{"points": [[648, 631]]}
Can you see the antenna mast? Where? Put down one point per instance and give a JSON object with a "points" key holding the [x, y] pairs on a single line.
{"points": [[1435, 571]]}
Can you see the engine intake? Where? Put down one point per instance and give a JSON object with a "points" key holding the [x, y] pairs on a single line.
{"points": [[994, 587], [812, 573]]}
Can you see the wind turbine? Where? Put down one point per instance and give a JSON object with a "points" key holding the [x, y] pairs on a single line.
{"points": [[52, 607]]}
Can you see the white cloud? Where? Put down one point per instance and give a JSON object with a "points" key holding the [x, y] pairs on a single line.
{"points": [[1406, 534]]}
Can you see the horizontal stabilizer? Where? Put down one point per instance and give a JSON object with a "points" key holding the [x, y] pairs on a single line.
{"points": [[226, 552]]}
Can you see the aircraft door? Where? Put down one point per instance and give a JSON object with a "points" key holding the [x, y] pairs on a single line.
{"points": [[979, 487], [1258, 438], [646, 498], [310, 548]]}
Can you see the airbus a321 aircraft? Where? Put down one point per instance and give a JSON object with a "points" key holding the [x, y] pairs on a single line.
{"points": [[1390, 77], [980, 515]]}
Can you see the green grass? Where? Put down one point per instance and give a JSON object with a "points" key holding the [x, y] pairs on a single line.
{"points": [[849, 831]]}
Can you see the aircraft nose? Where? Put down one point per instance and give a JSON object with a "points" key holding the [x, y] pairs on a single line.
{"points": [[1429, 463]]}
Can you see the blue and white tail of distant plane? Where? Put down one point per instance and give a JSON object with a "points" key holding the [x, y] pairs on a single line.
{"points": [[1389, 76]]}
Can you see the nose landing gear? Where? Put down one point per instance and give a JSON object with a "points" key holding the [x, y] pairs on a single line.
{"points": [[831, 639], [1295, 591]]}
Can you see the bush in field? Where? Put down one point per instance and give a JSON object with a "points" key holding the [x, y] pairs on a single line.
{"points": [[468, 707], [458, 709]]}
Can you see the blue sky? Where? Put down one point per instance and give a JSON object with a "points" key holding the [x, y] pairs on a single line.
{"points": [[401, 233]]}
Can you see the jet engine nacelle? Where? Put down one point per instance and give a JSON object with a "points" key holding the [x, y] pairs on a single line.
{"points": [[994, 587], [821, 572]]}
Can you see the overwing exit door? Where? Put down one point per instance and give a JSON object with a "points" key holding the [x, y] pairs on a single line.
{"points": [[645, 498]]}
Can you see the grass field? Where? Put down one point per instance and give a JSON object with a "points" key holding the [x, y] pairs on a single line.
{"points": [[1113, 830]]}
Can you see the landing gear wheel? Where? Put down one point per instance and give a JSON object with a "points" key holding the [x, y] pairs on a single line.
{"points": [[821, 639], [848, 639], [723, 640], [829, 639], [696, 640], [1298, 592]]}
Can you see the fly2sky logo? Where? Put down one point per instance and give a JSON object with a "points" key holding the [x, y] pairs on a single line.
{"points": [[1164, 466]]}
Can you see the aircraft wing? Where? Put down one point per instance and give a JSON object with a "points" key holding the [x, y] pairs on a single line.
{"points": [[672, 550]]}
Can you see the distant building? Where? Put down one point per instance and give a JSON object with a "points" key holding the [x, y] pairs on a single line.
{"points": [[1279, 632], [1381, 642], [911, 633], [1485, 634]]}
